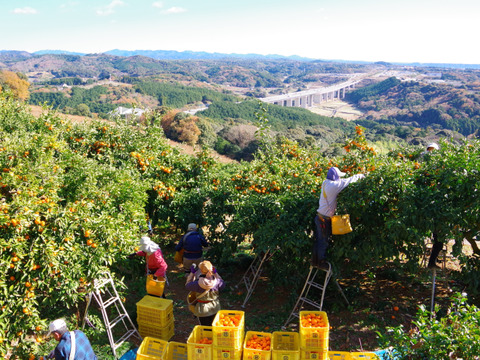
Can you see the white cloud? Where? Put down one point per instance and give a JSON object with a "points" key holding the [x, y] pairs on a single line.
{"points": [[174, 10], [110, 8], [157, 4], [24, 10]]}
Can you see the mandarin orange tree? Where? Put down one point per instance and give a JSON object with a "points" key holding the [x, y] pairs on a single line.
{"points": [[409, 196], [72, 199]]}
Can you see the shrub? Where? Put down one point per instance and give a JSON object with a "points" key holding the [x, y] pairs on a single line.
{"points": [[453, 336]]}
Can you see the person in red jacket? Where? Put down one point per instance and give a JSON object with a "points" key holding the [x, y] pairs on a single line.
{"points": [[156, 264]]}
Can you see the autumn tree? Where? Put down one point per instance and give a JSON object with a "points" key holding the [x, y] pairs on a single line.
{"points": [[17, 84]]}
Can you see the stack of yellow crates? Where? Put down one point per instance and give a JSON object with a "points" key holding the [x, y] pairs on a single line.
{"points": [[228, 333], [314, 331], [155, 317], [200, 343], [285, 345]]}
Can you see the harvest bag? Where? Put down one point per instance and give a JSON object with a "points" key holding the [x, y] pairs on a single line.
{"points": [[340, 223], [179, 256], [192, 299]]}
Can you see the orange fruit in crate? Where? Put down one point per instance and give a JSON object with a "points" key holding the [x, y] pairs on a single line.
{"points": [[205, 341], [258, 343], [312, 320], [229, 320]]}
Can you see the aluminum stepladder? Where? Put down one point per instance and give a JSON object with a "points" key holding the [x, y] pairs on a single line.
{"points": [[309, 283], [105, 294], [251, 276]]}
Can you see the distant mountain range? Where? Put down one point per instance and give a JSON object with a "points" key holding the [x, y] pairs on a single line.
{"points": [[201, 55]]}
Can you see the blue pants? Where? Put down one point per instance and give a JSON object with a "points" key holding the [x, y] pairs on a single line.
{"points": [[323, 233]]}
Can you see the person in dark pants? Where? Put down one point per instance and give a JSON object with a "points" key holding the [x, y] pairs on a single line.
{"points": [[206, 284], [192, 244], [327, 206]]}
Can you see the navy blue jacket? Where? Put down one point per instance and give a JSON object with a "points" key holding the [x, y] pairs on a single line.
{"points": [[192, 243]]}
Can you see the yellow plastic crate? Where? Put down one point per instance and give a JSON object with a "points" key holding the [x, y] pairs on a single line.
{"points": [[152, 349], [363, 356], [155, 310], [339, 355], [155, 287], [314, 337], [285, 345], [177, 351], [256, 354], [149, 329], [226, 353], [228, 336], [196, 350], [313, 354]]}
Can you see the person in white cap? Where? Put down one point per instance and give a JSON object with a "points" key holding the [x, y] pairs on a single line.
{"points": [[327, 206], [433, 146], [192, 244], [156, 264], [72, 345]]}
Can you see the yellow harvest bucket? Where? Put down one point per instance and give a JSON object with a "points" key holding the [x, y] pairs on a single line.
{"points": [[155, 287]]}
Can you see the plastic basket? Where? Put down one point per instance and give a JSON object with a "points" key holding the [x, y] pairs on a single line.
{"points": [[155, 310], [228, 336], [256, 354], [339, 355], [314, 337], [226, 353], [364, 356], [149, 329], [196, 350], [285, 345], [177, 351], [313, 354], [152, 349], [155, 287]]}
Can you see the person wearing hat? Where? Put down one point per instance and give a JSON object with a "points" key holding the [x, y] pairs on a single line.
{"points": [[205, 284], [331, 187], [72, 345], [192, 244], [155, 263]]}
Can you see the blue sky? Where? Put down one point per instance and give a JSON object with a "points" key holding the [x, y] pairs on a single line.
{"points": [[371, 30]]}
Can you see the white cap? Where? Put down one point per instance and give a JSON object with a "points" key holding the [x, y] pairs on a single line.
{"points": [[56, 325], [433, 146], [192, 227]]}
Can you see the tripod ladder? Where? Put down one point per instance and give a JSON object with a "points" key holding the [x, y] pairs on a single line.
{"points": [[309, 283], [250, 278], [105, 294]]}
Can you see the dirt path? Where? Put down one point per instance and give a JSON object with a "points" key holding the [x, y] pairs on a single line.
{"points": [[337, 108], [388, 299]]}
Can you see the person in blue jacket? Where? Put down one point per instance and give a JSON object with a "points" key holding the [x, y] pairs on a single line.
{"points": [[69, 341], [192, 243]]}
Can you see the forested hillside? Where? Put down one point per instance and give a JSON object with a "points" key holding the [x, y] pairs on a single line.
{"points": [[400, 104], [436, 105]]}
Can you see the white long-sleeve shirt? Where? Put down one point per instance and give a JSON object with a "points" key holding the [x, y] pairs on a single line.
{"points": [[330, 190]]}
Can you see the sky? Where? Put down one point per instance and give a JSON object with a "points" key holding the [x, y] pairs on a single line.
{"points": [[424, 31]]}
